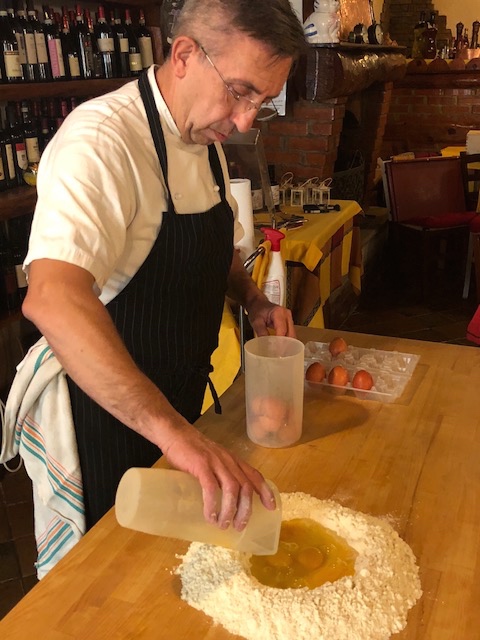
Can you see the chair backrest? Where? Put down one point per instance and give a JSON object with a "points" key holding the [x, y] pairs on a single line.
{"points": [[470, 164], [424, 187]]}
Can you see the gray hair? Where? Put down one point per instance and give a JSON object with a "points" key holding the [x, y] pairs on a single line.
{"points": [[271, 22]]}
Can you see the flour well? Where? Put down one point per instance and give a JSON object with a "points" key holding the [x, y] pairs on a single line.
{"points": [[370, 605]]}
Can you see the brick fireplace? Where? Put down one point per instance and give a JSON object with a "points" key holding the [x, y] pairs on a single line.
{"points": [[339, 101]]}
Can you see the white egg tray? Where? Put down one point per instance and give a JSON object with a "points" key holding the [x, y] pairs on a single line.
{"points": [[390, 370]]}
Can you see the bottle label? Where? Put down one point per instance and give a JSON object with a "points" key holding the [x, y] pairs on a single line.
{"points": [[21, 48], [10, 161], [74, 66], [276, 194], [21, 277], [257, 199], [21, 152], [272, 290], [30, 48], [53, 51], [33, 152], [123, 44], [146, 51], [135, 60], [61, 64], [41, 47], [12, 64], [106, 45]]}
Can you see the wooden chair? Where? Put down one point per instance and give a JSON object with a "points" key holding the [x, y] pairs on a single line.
{"points": [[426, 197], [470, 164]]}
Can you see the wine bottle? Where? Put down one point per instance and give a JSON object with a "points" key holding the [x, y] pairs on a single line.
{"points": [[10, 67], [134, 55], [83, 43], [3, 162], [9, 299], [430, 35], [121, 46], [145, 41], [97, 71], [33, 71], [55, 53], [9, 166], [475, 28], [18, 32], [106, 45], [18, 238], [46, 134], [15, 134], [70, 53], [30, 134], [418, 46], [45, 73]]}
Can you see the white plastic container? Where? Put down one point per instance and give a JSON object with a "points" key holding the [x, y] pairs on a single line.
{"points": [[167, 502], [391, 370], [274, 390]]}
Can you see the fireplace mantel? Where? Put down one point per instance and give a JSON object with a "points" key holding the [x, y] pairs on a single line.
{"points": [[335, 70]]}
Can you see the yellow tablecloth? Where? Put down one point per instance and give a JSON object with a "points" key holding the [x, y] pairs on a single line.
{"points": [[318, 255], [452, 151]]}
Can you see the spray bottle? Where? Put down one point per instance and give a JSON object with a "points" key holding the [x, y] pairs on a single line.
{"points": [[273, 285]]}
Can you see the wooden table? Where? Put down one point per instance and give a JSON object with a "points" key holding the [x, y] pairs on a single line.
{"points": [[416, 461]]}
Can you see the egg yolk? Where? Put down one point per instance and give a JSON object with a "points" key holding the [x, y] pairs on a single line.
{"points": [[308, 555]]}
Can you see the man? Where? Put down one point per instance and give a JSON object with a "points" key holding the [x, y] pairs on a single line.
{"points": [[131, 251]]}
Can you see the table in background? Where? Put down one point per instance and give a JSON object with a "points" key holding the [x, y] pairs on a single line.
{"points": [[414, 462], [318, 256]]}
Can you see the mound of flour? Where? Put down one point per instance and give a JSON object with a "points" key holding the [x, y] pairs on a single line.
{"points": [[370, 605]]}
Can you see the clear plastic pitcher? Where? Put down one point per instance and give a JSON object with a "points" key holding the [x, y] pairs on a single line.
{"points": [[167, 502], [274, 390]]}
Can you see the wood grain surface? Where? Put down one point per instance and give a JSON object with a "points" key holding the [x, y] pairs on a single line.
{"points": [[415, 461]]}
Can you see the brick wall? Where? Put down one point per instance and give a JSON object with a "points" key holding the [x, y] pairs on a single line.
{"points": [[306, 141], [428, 119]]}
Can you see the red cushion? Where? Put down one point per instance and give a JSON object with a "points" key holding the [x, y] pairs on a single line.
{"points": [[475, 224], [444, 221]]}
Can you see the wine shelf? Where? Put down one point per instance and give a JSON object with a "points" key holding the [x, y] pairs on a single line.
{"points": [[76, 88], [21, 200]]}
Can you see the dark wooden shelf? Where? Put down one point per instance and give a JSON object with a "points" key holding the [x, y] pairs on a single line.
{"points": [[36, 90], [17, 202]]}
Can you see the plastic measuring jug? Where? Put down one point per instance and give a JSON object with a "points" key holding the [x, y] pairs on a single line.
{"points": [[167, 502]]}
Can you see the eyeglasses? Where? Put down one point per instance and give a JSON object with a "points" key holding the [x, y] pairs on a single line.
{"points": [[264, 112]]}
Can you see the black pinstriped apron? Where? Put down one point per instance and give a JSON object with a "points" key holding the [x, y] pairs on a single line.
{"points": [[169, 317]]}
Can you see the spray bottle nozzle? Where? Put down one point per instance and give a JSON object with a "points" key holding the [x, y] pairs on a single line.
{"points": [[274, 235]]}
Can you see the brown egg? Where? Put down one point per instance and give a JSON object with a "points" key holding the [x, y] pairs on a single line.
{"points": [[338, 375], [270, 406], [337, 346], [362, 380], [315, 372]]}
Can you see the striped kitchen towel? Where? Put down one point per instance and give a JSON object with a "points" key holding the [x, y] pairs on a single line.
{"points": [[37, 424]]}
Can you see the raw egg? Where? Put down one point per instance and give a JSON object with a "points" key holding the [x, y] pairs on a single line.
{"points": [[315, 372], [362, 380], [337, 346], [338, 376]]}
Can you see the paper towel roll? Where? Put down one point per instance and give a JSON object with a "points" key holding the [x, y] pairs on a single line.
{"points": [[242, 192]]}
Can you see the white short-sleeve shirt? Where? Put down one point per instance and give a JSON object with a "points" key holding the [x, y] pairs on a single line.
{"points": [[101, 192]]}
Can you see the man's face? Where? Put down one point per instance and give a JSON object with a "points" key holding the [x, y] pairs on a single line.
{"points": [[208, 112]]}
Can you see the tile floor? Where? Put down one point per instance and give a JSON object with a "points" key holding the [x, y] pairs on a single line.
{"points": [[387, 306]]}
